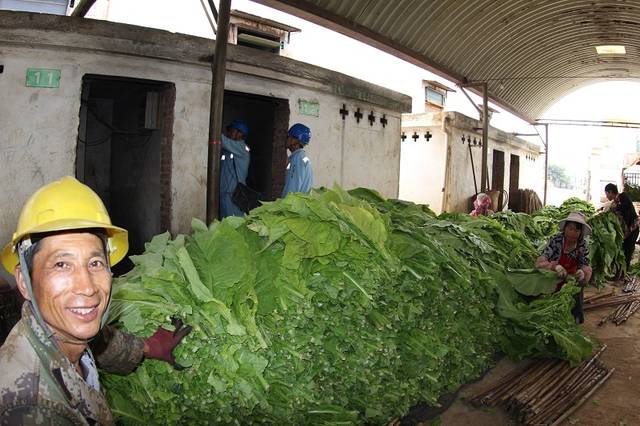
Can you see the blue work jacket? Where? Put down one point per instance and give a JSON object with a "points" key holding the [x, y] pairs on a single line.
{"points": [[234, 167], [299, 177]]}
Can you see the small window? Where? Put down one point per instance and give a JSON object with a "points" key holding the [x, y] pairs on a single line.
{"points": [[258, 40], [434, 97]]}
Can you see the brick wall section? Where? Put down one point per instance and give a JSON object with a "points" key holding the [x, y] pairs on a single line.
{"points": [[279, 153], [168, 102]]}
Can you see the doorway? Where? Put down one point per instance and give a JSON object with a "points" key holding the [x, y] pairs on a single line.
{"points": [[514, 173], [268, 120], [124, 153], [497, 175], [515, 198]]}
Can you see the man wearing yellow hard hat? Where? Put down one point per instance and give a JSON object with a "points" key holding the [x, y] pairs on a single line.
{"points": [[61, 255]]}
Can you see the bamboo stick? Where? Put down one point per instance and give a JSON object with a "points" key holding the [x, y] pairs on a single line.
{"points": [[626, 296], [563, 391], [506, 380], [590, 299], [630, 312], [545, 410], [565, 399], [621, 301], [575, 393], [583, 399], [524, 381], [544, 389], [537, 406], [594, 360]]}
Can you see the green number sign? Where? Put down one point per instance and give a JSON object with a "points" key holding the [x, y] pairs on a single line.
{"points": [[309, 108], [39, 77]]}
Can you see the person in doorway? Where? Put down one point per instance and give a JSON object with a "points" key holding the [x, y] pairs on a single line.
{"points": [[234, 166], [482, 205], [61, 255], [299, 175], [622, 207], [567, 253]]}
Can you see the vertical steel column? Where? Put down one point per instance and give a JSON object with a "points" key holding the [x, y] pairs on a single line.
{"points": [[484, 183], [546, 161], [218, 70]]}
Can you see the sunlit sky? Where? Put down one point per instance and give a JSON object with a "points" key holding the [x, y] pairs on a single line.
{"points": [[569, 146]]}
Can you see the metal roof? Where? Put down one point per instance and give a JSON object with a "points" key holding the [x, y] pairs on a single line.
{"points": [[531, 52]]}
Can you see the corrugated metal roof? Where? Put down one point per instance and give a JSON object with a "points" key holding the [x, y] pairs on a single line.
{"points": [[531, 52]]}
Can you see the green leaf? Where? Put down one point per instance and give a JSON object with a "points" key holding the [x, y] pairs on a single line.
{"points": [[533, 282], [195, 284]]}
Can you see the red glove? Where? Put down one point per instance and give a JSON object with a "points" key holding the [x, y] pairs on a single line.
{"points": [[161, 344]]}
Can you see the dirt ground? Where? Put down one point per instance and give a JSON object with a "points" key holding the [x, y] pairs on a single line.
{"points": [[615, 403]]}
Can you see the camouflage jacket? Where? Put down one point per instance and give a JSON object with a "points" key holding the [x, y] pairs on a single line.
{"points": [[39, 386]]}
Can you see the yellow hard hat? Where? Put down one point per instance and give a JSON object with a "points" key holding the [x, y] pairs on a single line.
{"points": [[62, 205]]}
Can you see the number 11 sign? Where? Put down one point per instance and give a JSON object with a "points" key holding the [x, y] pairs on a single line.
{"points": [[39, 77]]}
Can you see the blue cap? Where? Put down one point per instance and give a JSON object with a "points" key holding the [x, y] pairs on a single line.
{"points": [[241, 126], [300, 132]]}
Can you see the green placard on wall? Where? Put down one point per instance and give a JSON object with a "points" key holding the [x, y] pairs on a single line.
{"points": [[309, 108], [40, 77]]}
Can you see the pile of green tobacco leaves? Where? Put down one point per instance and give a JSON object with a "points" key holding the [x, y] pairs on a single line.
{"points": [[547, 218], [330, 308], [605, 244], [605, 248]]}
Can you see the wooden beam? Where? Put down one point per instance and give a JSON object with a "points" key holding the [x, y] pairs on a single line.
{"points": [[218, 71]]}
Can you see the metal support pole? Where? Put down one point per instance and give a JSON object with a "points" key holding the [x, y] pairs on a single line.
{"points": [[470, 100], [82, 8], [546, 162], [484, 172], [218, 69], [214, 11], [484, 184], [473, 169]]}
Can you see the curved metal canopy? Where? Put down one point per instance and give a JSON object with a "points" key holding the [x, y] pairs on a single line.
{"points": [[530, 52]]}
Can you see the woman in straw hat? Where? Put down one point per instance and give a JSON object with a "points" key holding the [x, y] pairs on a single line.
{"points": [[567, 254]]}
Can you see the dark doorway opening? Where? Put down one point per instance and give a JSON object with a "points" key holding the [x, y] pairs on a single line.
{"points": [[514, 173], [497, 175], [515, 196], [124, 153], [268, 120]]}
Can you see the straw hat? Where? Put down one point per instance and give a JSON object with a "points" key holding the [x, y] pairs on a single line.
{"points": [[576, 217]]}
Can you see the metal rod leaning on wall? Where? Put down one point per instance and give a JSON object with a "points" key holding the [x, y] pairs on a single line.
{"points": [[218, 70], [484, 113], [546, 162], [485, 138], [473, 169]]}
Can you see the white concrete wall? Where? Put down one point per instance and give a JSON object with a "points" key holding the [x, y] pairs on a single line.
{"points": [[423, 163], [345, 152], [445, 162], [39, 127], [459, 185]]}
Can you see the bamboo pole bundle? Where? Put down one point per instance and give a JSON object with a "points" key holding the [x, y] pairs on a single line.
{"points": [[594, 297], [624, 315], [632, 286], [546, 390], [612, 301]]}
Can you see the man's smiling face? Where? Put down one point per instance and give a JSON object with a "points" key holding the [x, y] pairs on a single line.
{"points": [[71, 283]]}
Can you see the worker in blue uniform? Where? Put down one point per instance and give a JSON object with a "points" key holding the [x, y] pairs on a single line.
{"points": [[234, 165], [299, 177]]}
